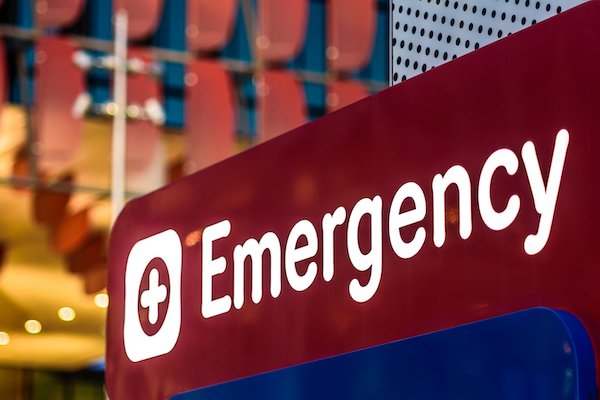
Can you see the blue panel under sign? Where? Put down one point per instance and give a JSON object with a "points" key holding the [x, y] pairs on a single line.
{"points": [[532, 354]]}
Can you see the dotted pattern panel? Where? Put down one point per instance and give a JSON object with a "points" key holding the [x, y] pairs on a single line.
{"points": [[427, 33]]}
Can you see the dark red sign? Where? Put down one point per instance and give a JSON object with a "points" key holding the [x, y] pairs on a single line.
{"points": [[467, 192]]}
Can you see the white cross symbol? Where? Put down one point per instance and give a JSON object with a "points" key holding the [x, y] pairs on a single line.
{"points": [[152, 297]]}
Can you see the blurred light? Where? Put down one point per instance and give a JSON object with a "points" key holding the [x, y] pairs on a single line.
{"points": [[191, 31], [66, 314], [263, 42], [262, 89], [40, 57], [332, 53], [82, 104], [190, 79], [4, 338], [112, 108], [332, 99], [106, 62], [83, 60], [154, 111], [133, 111], [41, 7], [33, 326], [101, 300], [136, 65], [189, 167]]}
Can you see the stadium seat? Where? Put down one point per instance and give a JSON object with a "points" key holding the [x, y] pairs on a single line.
{"points": [[351, 26], [281, 29], [58, 131], [50, 204], [94, 278], [209, 23], [210, 133], [142, 135], [281, 103], [344, 92], [91, 252], [58, 13], [144, 16], [70, 231]]}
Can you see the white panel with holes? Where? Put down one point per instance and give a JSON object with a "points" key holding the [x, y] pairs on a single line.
{"points": [[427, 33]]}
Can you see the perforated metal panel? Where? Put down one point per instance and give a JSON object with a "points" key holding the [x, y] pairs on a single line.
{"points": [[427, 33]]}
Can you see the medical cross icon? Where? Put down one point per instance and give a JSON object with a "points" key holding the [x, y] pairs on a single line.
{"points": [[152, 297]]}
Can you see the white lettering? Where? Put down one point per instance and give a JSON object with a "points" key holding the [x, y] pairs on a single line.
{"points": [[255, 250], [294, 255], [303, 242], [459, 176], [373, 259], [544, 198], [211, 307], [400, 220], [493, 219], [329, 223]]}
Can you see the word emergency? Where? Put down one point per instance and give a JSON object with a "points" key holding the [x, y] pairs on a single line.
{"points": [[544, 195]]}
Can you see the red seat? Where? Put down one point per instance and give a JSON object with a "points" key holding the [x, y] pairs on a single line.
{"points": [[281, 103], [210, 134], [58, 131], [209, 23], [143, 16], [351, 26], [344, 92], [282, 29], [142, 135], [58, 13]]}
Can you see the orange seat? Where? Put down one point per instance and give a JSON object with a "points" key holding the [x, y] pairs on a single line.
{"points": [[91, 252], [210, 134], [281, 29], [142, 135], [143, 16], [94, 278], [49, 205], [281, 103], [344, 92], [58, 13], [89, 261], [70, 231], [58, 131], [351, 26], [209, 23]]}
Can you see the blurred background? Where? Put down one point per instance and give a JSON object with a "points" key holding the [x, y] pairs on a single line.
{"points": [[206, 79]]}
